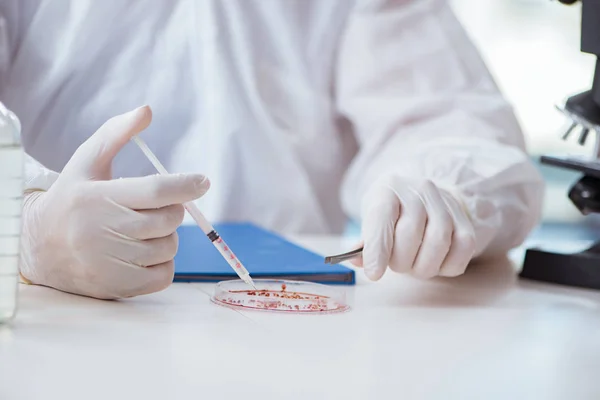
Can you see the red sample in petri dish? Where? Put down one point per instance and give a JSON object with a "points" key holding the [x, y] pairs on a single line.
{"points": [[280, 296]]}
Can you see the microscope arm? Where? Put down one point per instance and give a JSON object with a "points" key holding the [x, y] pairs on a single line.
{"points": [[584, 108]]}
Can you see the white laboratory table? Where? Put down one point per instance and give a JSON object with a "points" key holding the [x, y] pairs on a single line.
{"points": [[485, 335]]}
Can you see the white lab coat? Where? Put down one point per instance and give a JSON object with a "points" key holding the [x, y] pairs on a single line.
{"points": [[292, 108]]}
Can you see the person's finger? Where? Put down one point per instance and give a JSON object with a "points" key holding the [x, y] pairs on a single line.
{"points": [[163, 276], [382, 209], [437, 236], [151, 279], [463, 241], [148, 252], [155, 223], [154, 191], [94, 157], [409, 231], [159, 251], [358, 260]]}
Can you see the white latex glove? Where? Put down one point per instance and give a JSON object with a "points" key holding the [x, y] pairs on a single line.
{"points": [[412, 226], [106, 238]]}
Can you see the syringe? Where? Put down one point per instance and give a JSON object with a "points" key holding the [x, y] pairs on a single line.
{"points": [[202, 222]]}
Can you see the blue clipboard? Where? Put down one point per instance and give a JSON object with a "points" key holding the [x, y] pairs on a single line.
{"points": [[263, 253]]}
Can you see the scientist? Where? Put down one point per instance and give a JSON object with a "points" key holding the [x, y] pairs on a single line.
{"points": [[302, 113]]}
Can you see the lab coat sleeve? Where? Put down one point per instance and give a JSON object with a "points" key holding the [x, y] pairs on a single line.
{"points": [[423, 105], [12, 16]]}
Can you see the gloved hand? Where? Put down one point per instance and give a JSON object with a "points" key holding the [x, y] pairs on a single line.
{"points": [[414, 227], [106, 238]]}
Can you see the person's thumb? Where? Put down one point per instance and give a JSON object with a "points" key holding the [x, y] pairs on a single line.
{"points": [[380, 213], [93, 159]]}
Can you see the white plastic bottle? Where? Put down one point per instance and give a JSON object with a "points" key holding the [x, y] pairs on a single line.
{"points": [[11, 201]]}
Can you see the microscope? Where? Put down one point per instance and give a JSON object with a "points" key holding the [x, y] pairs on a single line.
{"points": [[580, 269]]}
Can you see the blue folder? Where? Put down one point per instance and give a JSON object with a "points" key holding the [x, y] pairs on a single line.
{"points": [[263, 253]]}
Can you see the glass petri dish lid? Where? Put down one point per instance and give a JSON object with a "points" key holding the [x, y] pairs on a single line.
{"points": [[280, 296]]}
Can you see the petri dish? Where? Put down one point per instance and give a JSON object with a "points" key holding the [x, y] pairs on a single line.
{"points": [[281, 296]]}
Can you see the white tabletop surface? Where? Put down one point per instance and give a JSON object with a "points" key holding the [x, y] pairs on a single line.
{"points": [[486, 335]]}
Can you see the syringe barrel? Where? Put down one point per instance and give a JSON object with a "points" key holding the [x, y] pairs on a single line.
{"points": [[202, 222], [231, 258]]}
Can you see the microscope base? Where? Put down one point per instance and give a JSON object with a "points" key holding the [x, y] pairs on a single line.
{"points": [[576, 269]]}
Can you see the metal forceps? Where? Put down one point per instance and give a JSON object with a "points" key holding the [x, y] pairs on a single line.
{"points": [[343, 257]]}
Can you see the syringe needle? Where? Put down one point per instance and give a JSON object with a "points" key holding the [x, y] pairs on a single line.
{"points": [[202, 222]]}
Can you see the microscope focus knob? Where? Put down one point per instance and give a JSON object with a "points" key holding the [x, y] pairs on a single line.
{"points": [[585, 195]]}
